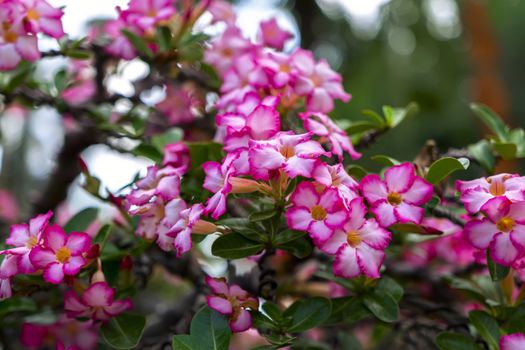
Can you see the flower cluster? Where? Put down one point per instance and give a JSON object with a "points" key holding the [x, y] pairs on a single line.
{"points": [[232, 301], [164, 215], [497, 206], [22, 21], [141, 18]]}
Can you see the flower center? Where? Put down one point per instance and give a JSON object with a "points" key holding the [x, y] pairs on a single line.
{"points": [[287, 151], [31, 242], [63, 255], [506, 224], [394, 198], [353, 238], [10, 37], [318, 213], [497, 188], [33, 15]]}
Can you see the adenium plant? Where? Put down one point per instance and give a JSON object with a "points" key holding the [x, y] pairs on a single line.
{"points": [[256, 222]]}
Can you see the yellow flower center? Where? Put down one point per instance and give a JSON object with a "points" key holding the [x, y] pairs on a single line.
{"points": [[152, 13], [394, 198], [32, 14], [63, 255], [506, 224], [497, 188], [287, 151], [353, 238], [31, 242], [318, 213], [10, 37]]}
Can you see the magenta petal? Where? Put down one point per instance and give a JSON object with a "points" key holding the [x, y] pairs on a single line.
{"points": [[517, 235], [400, 178], [419, 193], [98, 294], [320, 232], [502, 250], [370, 260], [18, 235], [74, 265], [298, 218], [183, 242], [345, 264], [73, 305], [219, 304], [217, 285], [514, 341], [373, 188], [42, 257], [384, 213], [242, 322], [374, 235], [496, 208], [119, 306], [305, 195], [78, 242], [332, 245], [480, 233], [54, 273], [406, 213], [54, 237]]}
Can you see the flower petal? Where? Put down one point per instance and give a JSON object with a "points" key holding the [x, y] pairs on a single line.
{"points": [[502, 250], [480, 233], [219, 304], [419, 193], [345, 264], [373, 189], [384, 213], [399, 178], [370, 260], [74, 264], [242, 322], [405, 213], [54, 237], [374, 235], [78, 242], [305, 195], [54, 273], [298, 218], [514, 341], [42, 257]]}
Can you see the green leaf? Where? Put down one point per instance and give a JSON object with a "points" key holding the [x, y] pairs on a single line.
{"points": [[171, 136], [288, 236], [487, 327], [78, 54], [138, 43], [359, 127], [385, 160], [348, 341], [235, 246], [300, 247], [413, 228], [497, 271], [209, 330], [102, 236], [491, 120], [374, 117], [356, 171], [443, 167], [516, 321], [507, 151], [124, 331], [201, 152], [307, 313], [15, 304], [348, 309], [382, 305], [262, 215], [394, 116], [81, 221], [164, 38], [455, 341], [148, 151], [390, 286], [482, 152], [517, 137]]}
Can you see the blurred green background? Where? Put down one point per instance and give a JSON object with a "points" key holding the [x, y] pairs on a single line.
{"points": [[442, 54]]}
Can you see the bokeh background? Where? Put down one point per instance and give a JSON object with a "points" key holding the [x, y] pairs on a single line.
{"points": [[442, 54]]}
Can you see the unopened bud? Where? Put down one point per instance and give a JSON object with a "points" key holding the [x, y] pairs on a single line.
{"points": [[99, 275], [203, 227], [242, 185]]}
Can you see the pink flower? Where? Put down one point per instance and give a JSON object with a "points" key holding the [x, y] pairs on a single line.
{"points": [[359, 245], [42, 17], [119, 45], [163, 183], [514, 341], [97, 302], [272, 35], [172, 214], [295, 154], [502, 230], [9, 209], [24, 238], [60, 254], [181, 105], [189, 222], [476, 193], [279, 68], [231, 301], [318, 82], [146, 14], [225, 48], [15, 43], [318, 211], [335, 176], [8, 269], [398, 197], [177, 156], [222, 11], [66, 333], [321, 125]]}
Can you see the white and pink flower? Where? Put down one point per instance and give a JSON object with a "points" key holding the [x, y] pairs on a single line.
{"points": [[232, 301], [359, 245], [272, 35], [398, 198], [475, 193], [317, 210], [60, 254], [97, 302], [502, 230]]}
